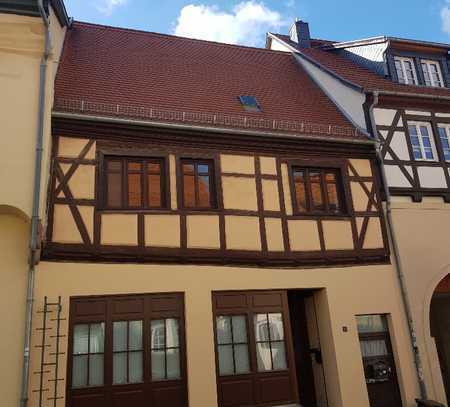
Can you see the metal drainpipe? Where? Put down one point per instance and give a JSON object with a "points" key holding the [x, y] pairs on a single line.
{"points": [[36, 206], [396, 253]]}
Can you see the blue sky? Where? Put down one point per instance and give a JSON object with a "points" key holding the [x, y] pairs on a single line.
{"points": [[245, 22]]}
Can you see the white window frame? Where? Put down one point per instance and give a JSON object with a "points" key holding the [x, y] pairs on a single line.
{"points": [[402, 61], [446, 127], [421, 145], [428, 63]]}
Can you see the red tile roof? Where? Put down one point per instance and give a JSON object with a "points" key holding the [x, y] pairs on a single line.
{"points": [[115, 71], [350, 71]]}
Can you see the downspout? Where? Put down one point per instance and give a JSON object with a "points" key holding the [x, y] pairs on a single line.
{"points": [[396, 254], [34, 243]]}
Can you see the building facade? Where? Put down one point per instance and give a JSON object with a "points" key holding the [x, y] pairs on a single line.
{"points": [[403, 85], [218, 250]]}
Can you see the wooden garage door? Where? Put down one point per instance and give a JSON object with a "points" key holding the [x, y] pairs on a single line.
{"points": [[127, 351]]}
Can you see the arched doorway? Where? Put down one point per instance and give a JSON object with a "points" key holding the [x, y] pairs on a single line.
{"points": [[440, 328]]}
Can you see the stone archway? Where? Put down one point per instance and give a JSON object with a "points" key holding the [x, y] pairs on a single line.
{"points": [[440, 328]]}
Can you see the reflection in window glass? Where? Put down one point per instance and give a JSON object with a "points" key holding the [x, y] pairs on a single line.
{"points": [[444, 135], [270, 345], [87, 355], [371, 323], [127, 352], [165, 349], [421, 141], [232, 345], [197, 184]]}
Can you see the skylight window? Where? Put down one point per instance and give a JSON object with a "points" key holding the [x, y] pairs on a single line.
{"points": [[250, 103]]}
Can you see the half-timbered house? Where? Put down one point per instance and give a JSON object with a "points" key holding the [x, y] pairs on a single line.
{"points": [[399, 87], [214, 234]]}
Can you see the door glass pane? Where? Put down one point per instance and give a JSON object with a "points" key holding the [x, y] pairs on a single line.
{"points": [[154, 191], [135, 335], [371, 323], [114, 186], [263, 356], [119, 368], [158, 365], [189, 190], [279, 356], [81, 339], [239, 329], [96, 370], [79, 371], [134, 190], [226, 360], [223, 330], [158, 339], [276, 327], [120, 336], [97, 338], [241, 359], [135, 367], [172, 333], [173, 364], [204, 191], [261, 328], [373, 348]]}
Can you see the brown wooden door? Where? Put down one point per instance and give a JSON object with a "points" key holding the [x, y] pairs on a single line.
{"points": [[127, 350], [378, 361], [254, 353]]}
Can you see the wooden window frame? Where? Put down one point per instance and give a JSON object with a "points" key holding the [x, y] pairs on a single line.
{"points": [[107, 310], [145, 161], [428, 63], [213, 199], [402, 61], [446, 128], [341, 188], [432, 137]]}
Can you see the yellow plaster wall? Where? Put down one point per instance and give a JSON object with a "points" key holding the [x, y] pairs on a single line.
{"points": [[303, 235], [338, 235], [71, 147], [21, 47], [242, 233], [274, 235], [203, 231], [343, 293], [359, 196], [82, 182], [422, 235], [268, 165], [374, 238], [118, 229], [362, 167], [173, 182], [241, 164], [64, 227], [162, 230], [286, 189], [271, 197], [239, 193], [14, 242]]}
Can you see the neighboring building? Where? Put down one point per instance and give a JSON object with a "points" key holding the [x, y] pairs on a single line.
{"points": [[22, 46], [215, 235], [403, 88]]}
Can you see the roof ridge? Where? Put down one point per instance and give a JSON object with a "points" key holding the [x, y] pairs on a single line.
{"points": [[144, 32]]}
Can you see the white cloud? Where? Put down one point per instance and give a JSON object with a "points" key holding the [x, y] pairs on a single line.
{"points": [[246, 24], [445, 17], [108, 6]]}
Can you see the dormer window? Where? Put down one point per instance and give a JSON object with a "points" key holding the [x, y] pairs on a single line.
{"points": [[406, 72], [432, 73]]}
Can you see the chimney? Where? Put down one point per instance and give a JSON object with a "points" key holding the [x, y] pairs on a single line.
{"points": [[299, 33]]}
